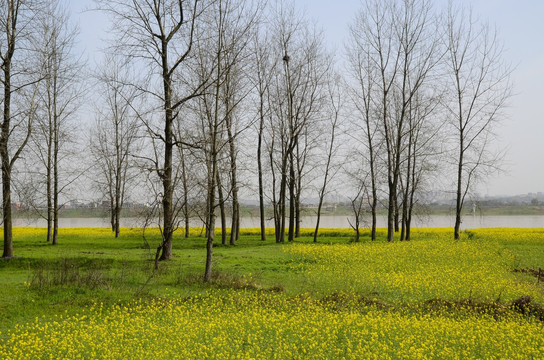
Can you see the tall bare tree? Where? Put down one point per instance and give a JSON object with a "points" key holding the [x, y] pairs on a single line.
{"points": [[159, 36], [261, 77], [364, 96], [480, 88], [60, 96], [422, 152], [299, 88], [223, 50], [335, 107], [404, 50], [19, 80], [116, 138]]}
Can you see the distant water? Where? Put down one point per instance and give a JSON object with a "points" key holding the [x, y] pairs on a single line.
{"points": [[469, 222]]}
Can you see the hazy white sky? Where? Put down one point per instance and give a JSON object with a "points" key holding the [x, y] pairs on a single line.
{"points": [[521, 28]]}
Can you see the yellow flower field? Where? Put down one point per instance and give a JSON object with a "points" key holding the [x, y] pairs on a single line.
{"points": [[230, 325], [415, 271], [429, 298]]}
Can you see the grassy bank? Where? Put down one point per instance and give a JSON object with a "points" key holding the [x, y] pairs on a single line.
{"points": [[99, 297]]}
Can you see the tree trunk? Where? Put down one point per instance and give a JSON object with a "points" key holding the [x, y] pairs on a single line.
{"points": [[49, 181], [292, 199], [185, 192], [6, 208], [235, 227], [280, 233], [298, 219], [55, 182], [117, 221], [112, 211], [260, 173], [357, 233], [222, 210], [459, 197], [211, 215], [391, 211], [4, 153], [168, 188], [406, 192], [397, 214]]}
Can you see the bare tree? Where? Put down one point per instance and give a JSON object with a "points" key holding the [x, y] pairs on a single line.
{"points": [[263, 71], [364, 93], [295, 102], [19, 79], [480, 88], [422, 152], [223, 50], [160, 36], [404, 49], [59, 100], [358, 207], [116, 137], [335, 105]]}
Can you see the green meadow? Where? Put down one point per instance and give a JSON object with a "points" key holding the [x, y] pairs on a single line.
{"points": [[94, 296]]}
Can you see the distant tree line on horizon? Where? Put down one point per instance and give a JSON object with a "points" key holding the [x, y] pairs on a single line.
{"points": [[198, 102]]}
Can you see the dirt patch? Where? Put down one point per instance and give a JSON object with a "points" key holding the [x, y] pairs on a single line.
{"points": [[537, 273], [340, 301], [523, 305]]}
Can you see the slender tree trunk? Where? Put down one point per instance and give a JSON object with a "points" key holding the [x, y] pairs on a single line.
{"points": [[185, 192], [117, 221], [357, 233], [55, 183], [325, 180], [222, 210], [292, 199], [374, 203], [397, 213], [211, 219], [409, 216], [112, 211], [260, 172], [391, 211], [280, 235], [298, 218], [4, 153], [6, 207], [406, 192], [49, 194], [316, 231], [118, 172], [48, 174], [168, 188], [235, 227], [373, 210], [459, 197]]}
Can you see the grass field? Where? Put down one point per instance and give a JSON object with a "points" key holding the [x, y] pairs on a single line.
{"points": [[93, 296]]}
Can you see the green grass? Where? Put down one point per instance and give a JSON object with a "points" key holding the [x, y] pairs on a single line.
{"points": [[432, 275]]}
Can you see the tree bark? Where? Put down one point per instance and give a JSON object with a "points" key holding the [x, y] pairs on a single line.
{"points": [[260, 173], [292, 198], [4, 153], [168, 189], [222, 210], [235, 227]]}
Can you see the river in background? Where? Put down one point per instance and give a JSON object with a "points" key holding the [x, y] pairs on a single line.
{"points": [[469, 222]]}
